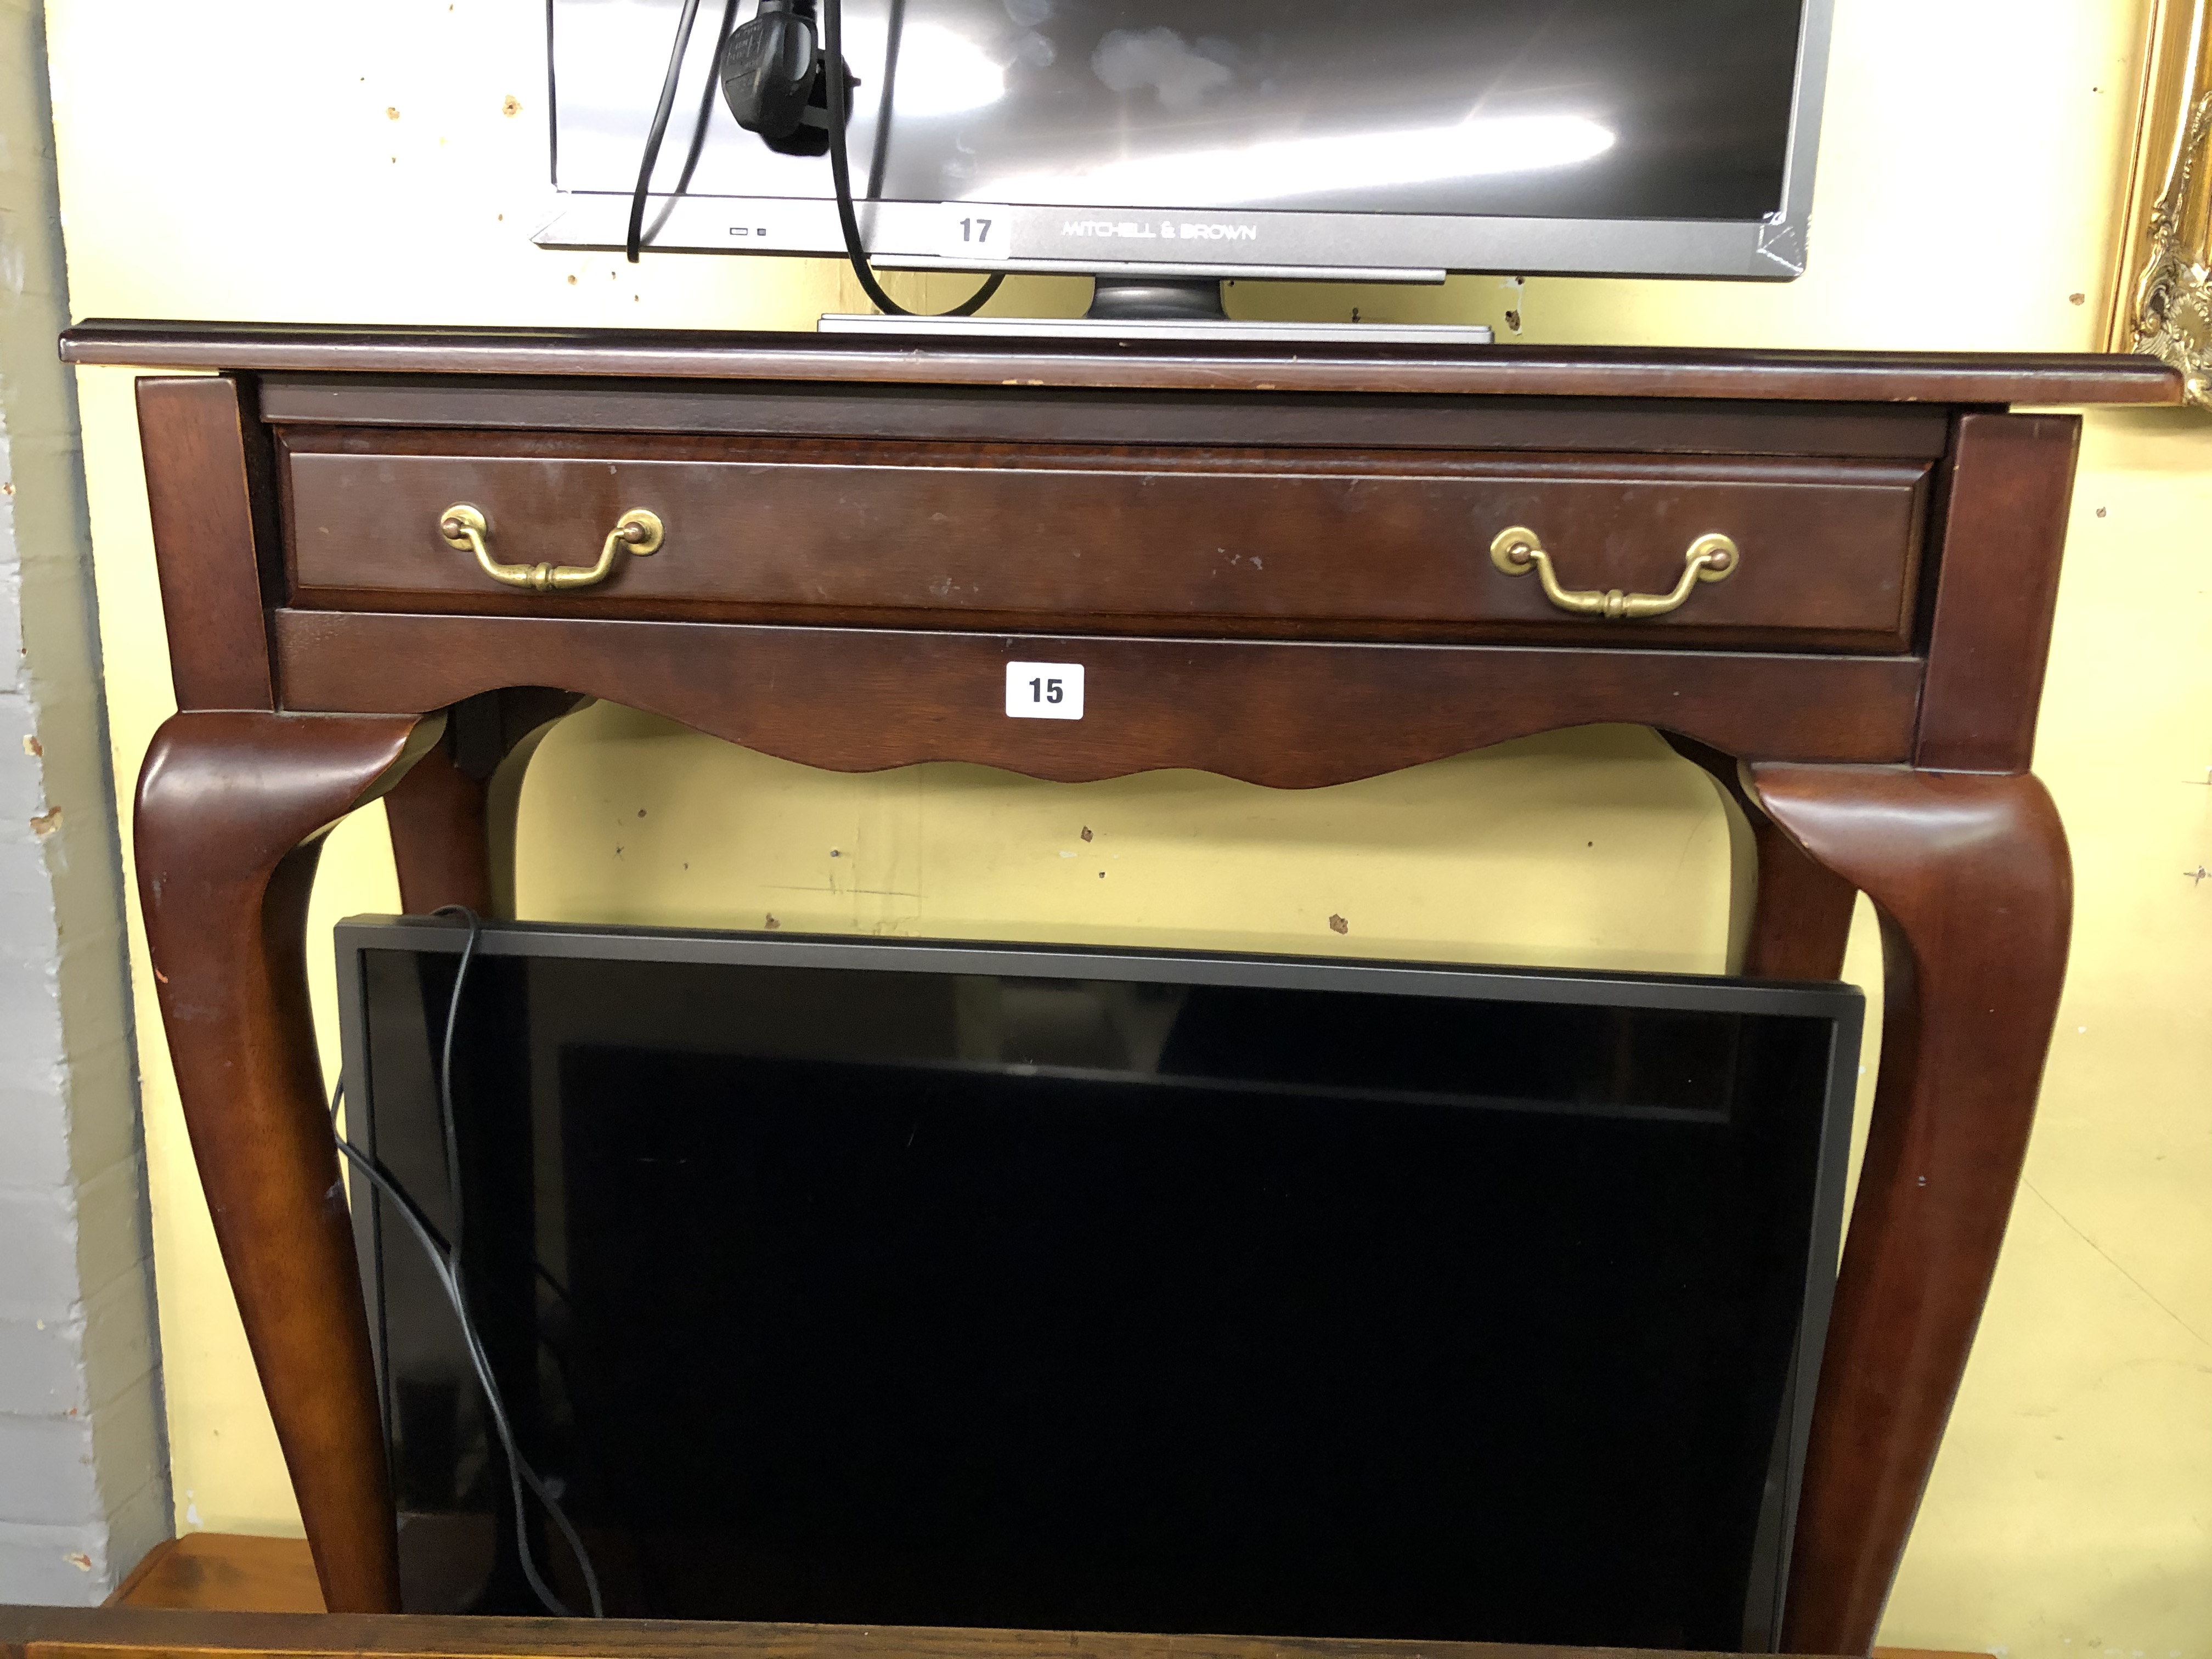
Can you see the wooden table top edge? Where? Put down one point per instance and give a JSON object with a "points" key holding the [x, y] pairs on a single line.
{"points": [[42, 1633], [1613, 372]]}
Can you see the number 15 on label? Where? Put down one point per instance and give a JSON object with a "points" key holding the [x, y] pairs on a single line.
{"points": [[1044, 690]]}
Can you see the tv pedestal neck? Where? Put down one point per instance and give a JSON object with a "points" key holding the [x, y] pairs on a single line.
{"points": [[861, 536]]}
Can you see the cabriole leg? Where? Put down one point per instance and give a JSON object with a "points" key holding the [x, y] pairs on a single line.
{"points": [[1792, 918], [452, 818], [232, 808], [1969, 874]]}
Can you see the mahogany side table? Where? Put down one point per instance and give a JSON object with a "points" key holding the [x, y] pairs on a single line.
{"points": [[390, 557]]}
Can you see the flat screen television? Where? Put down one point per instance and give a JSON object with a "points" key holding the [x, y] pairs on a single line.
{"points": [[893, 1283], [1211, 139]]}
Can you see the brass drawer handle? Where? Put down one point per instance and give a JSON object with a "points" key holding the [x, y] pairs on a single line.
{"points": [[1711, 558], [464, 527]]}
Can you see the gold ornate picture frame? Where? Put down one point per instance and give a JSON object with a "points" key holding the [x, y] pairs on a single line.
{"points": [[2162, 288]]}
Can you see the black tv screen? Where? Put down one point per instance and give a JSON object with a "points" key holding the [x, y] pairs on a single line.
{"points": [[897, 1283]]}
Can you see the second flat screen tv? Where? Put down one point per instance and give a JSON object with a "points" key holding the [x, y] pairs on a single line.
{"points": [[897, 1283]]}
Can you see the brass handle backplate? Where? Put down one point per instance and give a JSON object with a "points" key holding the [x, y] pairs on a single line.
{"points": [[1710, 558], [464, 527]]}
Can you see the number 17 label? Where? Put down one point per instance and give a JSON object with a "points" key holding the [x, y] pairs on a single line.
{"points": [[972, 237], [1044, 690]]}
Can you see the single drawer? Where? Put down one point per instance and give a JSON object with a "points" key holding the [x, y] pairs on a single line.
{"points": [[1339, 544]]}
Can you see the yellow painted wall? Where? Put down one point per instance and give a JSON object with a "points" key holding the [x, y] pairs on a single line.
{"points": [[257, 158]]}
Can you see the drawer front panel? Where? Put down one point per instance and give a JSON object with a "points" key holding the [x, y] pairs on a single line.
{"points": [[1385, 544]]}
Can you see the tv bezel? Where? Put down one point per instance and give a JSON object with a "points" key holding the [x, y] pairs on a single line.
{"points": [[1841, 1005], [1342, 247]]}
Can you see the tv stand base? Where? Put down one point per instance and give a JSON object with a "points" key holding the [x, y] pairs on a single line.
{"points": [[1161, 308]]}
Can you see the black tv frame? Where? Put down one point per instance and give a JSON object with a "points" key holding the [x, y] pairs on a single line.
{"points": [[1841, 1005]]}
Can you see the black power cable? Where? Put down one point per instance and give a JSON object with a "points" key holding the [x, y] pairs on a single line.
{"points": [[659, 128], [445, 1255], [841, 173], [879, 151], [640, 235]]}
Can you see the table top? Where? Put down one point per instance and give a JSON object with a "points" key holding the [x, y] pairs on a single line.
{"points": [[1612, 372]]}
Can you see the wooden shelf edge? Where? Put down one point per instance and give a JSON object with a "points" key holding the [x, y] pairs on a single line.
{"points": [[1950, 378]]}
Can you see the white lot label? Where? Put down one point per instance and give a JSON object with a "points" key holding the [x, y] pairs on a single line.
{"points": [[1044, 690], [962, 233]]}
